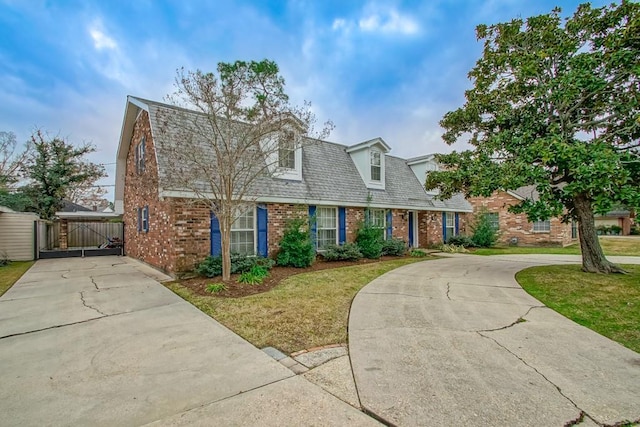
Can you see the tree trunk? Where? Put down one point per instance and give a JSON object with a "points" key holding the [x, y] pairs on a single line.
{"points": [[225, 234], [593, 259]]}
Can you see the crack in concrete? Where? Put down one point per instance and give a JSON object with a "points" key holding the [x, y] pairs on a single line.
{"points": [[520, 319], [449, 290], [575, 421], [397, 293], [89, 306], [622, 423], [94, 283], [582, 412], [17, 334]]}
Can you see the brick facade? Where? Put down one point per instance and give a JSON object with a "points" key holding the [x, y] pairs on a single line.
{"points": [[517, 225], [179, 231]]}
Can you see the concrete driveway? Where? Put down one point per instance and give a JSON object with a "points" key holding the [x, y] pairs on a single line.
{"points": [[99, 341], [458, 342]]}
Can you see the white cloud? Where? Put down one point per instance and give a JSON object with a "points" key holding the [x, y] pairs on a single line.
{"points": [[390, 23], [100, 39]]}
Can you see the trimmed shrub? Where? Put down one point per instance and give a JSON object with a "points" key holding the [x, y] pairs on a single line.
{"points": [[296, 247], [394, 247], [346, 252], [369, 241], [484, 234], [460, 240], [212, 266]]}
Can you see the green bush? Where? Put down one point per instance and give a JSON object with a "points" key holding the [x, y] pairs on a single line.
{"points": [[346, 252], [296, 246], [453, 248], [394, 247], [460, 240], [616, 230], [484, 234], [255, 276], [369, 240], [417, 253], [212, 266], [214, 288]]}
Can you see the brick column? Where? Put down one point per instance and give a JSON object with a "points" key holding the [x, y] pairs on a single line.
{"points": [[64, 233]]}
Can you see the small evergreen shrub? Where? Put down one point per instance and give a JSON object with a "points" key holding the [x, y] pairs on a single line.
{"points": [[369, 241], [484, 233], [296, 246], [460, 240], [212, 265], [346, 252], [394, 247]]}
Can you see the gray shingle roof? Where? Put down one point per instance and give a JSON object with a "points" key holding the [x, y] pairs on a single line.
{"points": [[329, 175]]}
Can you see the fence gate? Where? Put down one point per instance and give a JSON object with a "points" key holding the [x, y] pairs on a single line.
{"points": [[83, 239]]}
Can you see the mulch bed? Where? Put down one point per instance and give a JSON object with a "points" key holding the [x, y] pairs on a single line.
{"points": [[276, 275]]}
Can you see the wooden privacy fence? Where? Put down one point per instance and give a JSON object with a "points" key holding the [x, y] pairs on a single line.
{"points": [[83, 234]]}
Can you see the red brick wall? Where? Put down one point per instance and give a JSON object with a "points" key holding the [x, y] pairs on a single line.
{"points": [[278, 215], [517, 225], [155, 247], [355, 217]]}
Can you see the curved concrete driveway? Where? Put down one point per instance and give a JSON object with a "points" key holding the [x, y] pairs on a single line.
{"points": [[456, 341]]}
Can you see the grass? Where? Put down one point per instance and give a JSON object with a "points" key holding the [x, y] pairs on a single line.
{"points": [[610, 246], [607, 304], [304, 311], [9, 274]]}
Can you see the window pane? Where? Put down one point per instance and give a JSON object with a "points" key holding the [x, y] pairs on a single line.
{"points": [[326, 225], [542, 226], [375, 166], [377, 218], [375, 173], [493, 220], [326, 237], [244, 221], [242, 242]]}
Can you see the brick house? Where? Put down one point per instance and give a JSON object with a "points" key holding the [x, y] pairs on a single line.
{"points": [[167, 228], [516, 228]]}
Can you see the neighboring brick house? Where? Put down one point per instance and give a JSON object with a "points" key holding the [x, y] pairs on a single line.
{"points": [[516, 228], [620, 217], [167, 227]]}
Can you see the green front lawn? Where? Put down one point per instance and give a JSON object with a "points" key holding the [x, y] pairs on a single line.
{"points": [[304, 311], [610, 246], [9, 274], [607, 304]]}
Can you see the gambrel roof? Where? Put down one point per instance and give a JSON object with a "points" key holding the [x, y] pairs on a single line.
{"points": [[329, 175]]}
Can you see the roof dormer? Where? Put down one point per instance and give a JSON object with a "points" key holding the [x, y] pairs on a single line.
{"points": [[421, 166], [284, 154], [369, 158]]}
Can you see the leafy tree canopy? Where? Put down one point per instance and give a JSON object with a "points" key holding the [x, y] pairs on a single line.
{"points": [[555, 103], [55, 168]]}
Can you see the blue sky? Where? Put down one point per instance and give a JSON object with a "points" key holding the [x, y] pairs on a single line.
{"points": [[375, 68]]}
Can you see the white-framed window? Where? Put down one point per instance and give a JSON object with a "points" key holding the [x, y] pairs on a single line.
{"points": [[326, 227], [143, 219], [140, 154], [286, 151], [542, 226], [450, 224], [376, 166], [494, 219], [377, 219], [243, 233]]}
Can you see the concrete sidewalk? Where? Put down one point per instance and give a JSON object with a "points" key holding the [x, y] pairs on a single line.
{"points": [[458, 342], [98, 341]]}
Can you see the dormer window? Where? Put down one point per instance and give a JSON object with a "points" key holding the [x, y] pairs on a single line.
{"points": [[376, 169], [287, 152]]}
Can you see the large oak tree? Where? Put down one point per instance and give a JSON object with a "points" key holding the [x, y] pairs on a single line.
{"points": [[555, 103]]}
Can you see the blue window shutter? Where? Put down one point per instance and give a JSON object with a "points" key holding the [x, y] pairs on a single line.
{"points": [[143, 153], [411, 225], [139, 214], [216, 237], [263, 247], [457, 224], [444, 227], [342, 225], [312, 223], [389, 224], [145, 212], [367, 216]]}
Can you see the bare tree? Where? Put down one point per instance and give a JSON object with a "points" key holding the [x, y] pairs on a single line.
{"points": [[11, 160], [236, 129]]}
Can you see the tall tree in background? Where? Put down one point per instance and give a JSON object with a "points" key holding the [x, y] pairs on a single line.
{"points": [[244, 130], [11, 166], [54, 168], [555, 103]]}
